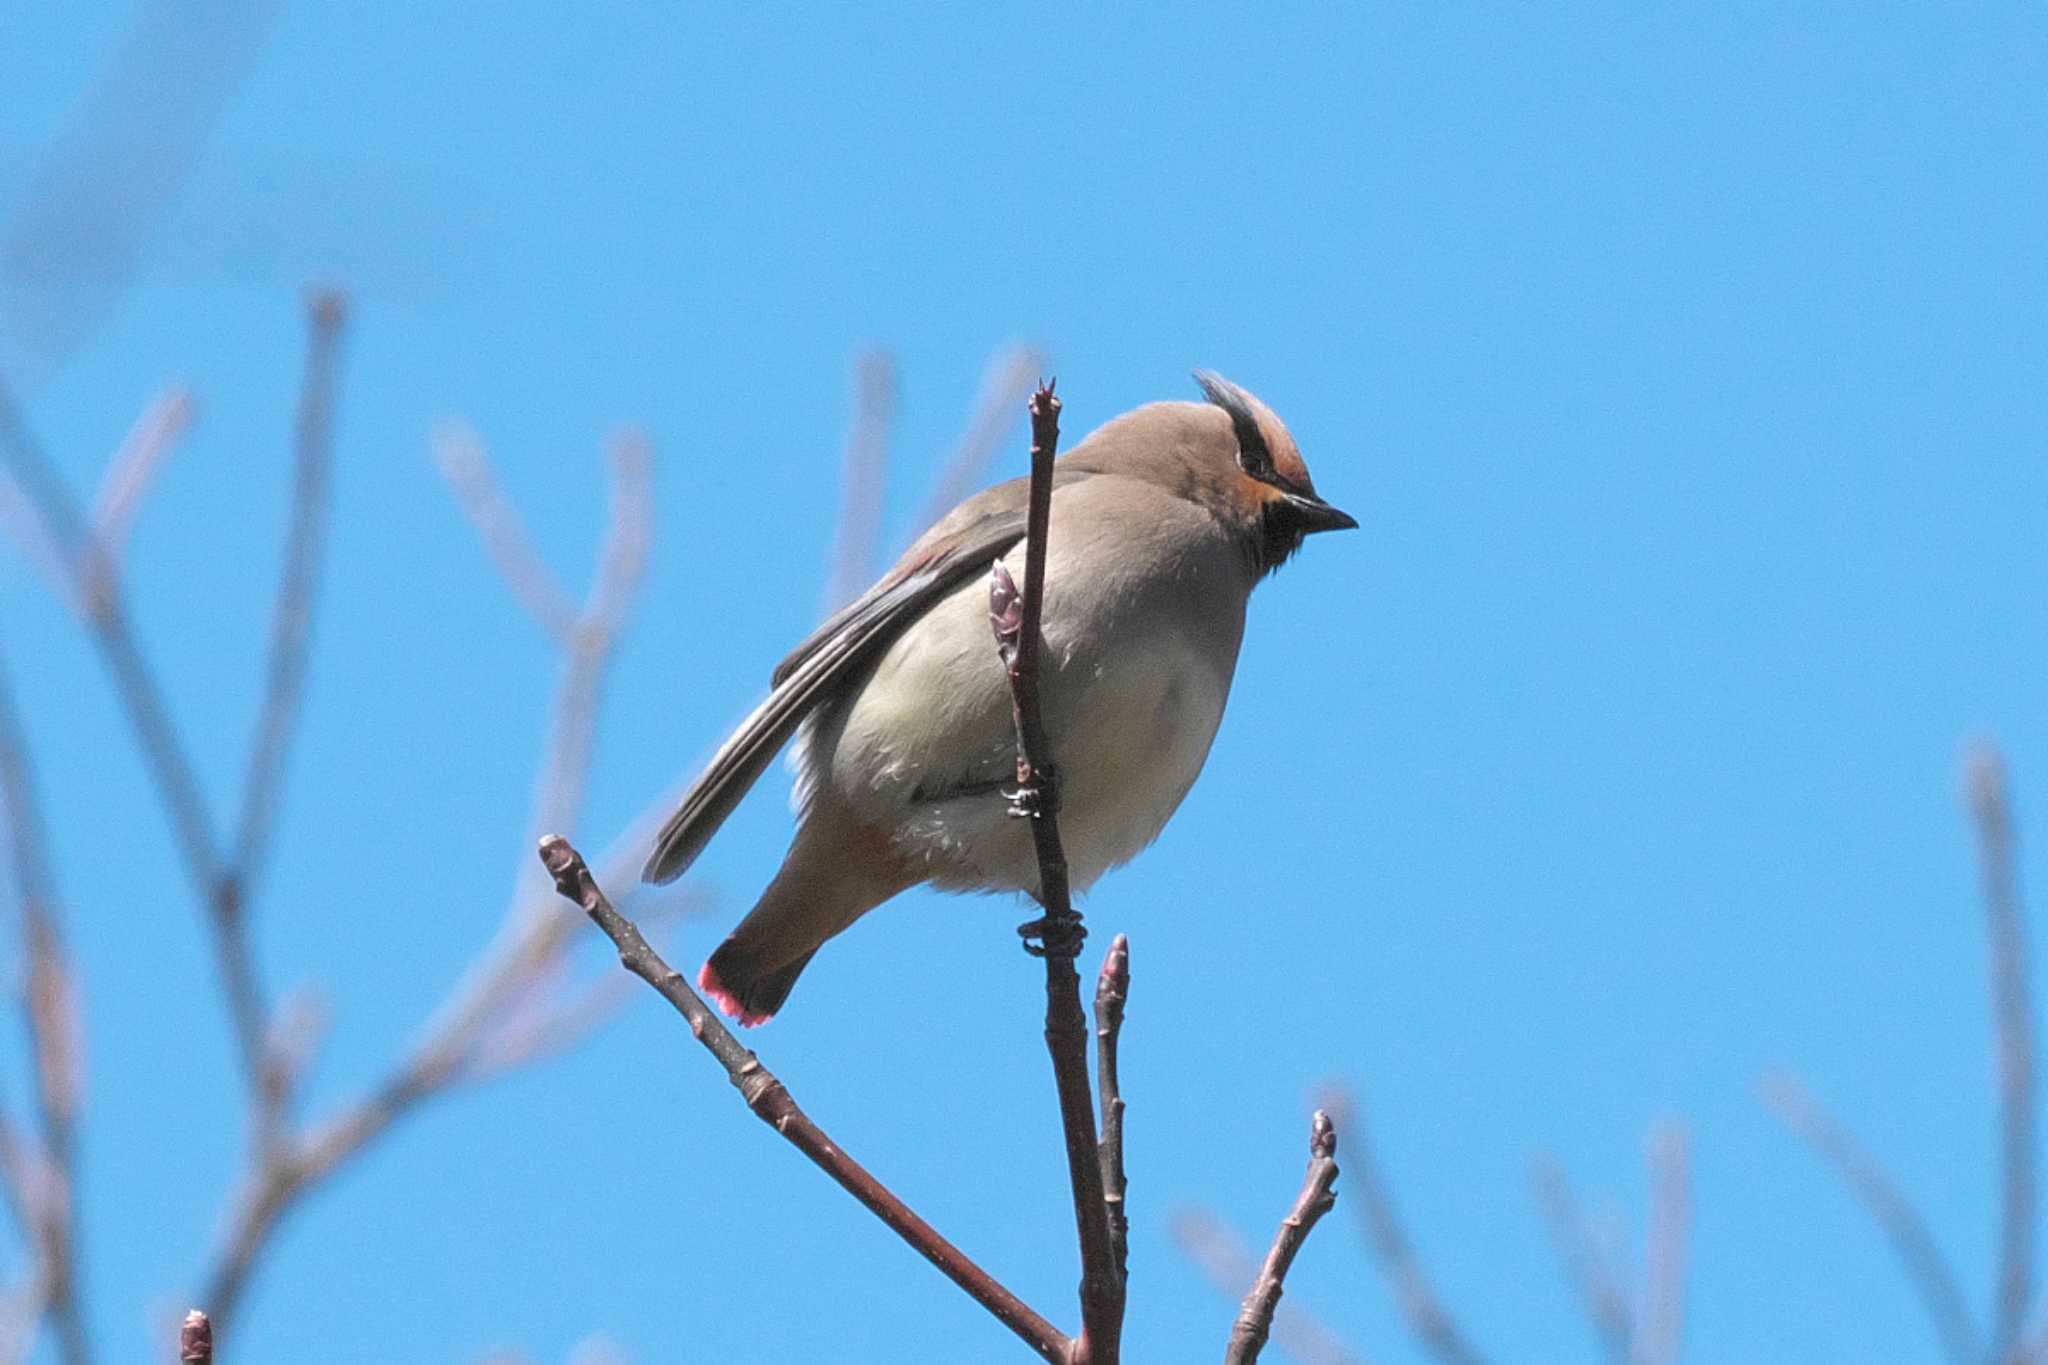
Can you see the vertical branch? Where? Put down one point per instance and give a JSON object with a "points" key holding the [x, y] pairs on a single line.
{"points": [[1112, 992], [48, 1201], [195, 1340], [134, 467], [1663, 1315], [1015, 618], [1585, 1266], [283, 692], [1799, 1110], [2015, 1023], [867, 477], [1318, 1196]]}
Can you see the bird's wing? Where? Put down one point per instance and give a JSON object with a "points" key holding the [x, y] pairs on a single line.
{"points": [[977, 534]]}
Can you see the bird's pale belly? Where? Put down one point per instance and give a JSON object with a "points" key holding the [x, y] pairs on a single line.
{"points": [[1130, 731]]}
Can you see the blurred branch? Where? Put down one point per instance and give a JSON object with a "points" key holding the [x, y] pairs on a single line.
{"points": [[44, 1190], [1799, 1110], [1318, 1196], [1009, 378], [1225, 1262], [1585, 1266], [1427, 1318], [2014, 1013], [772, 1103], [465, 1039], [134, 468], [858, 540], [1668, 1255], [1059, 933], [460, 456]]}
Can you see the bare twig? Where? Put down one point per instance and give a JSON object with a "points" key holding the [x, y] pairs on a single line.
{"points": [[1112, 992], [1799, 1110], [1318, 1196], [1585, 1266], [195, 1339], [277, 719], [1009, 378], [1427, 1317], [47, 1202], [460, 456], [771, 1102], [1668, 1250], [1224, 1261], [867, 476], [1015, 617], [460, 1045], [134, 467], [2014, 1013]]}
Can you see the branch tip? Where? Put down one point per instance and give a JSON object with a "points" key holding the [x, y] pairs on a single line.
{"points": [[1322, 1137], [195, 1339]]}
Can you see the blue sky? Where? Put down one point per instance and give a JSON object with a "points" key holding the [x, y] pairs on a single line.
{"points": [[1685, 370]]}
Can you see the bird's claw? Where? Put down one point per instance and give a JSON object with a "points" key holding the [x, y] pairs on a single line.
{"points": [[1054, 936]]}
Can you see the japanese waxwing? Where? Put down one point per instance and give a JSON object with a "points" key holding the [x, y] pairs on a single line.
{"points": [[1162, 522]]}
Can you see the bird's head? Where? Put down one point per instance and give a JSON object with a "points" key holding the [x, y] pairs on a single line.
{"points": [[1267, 482]]}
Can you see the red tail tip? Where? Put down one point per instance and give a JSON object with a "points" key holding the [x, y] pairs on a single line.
{"points": [[708, 981]]}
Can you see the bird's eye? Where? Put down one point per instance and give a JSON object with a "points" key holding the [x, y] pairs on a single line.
{"points": [[1256, 460]]}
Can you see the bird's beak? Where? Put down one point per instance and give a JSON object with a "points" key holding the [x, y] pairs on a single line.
{"points": [[1312, 514]]}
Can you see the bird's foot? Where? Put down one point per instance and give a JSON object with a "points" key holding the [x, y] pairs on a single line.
{"points": [[1054, 935], [1038, 796]]}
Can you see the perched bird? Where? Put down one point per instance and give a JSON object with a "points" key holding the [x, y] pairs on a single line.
{"points": [[1163, 520]]}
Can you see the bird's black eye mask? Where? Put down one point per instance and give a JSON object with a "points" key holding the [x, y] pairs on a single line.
{"points": [[1253, 455]]}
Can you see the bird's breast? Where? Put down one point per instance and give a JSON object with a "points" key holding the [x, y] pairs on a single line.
{"points": [[1137, 669]]}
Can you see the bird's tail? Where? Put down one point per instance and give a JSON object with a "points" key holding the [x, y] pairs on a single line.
{"points": [[832, 876]]}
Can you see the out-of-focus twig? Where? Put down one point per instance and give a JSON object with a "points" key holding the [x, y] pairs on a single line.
{"points": [[460, 456], [771, 1101], [2014, 1015], [1015, 617], [1585, 1266], [1801, 1111], [131, 472], [1668, 1252], [464, 1040], [1008, 379], [1428, 1319], [858, 540], [1318, 1196], [44, 1191], [1227, 1265]]}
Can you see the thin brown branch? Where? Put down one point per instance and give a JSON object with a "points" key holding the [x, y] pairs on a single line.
{"points": [[460, 456], [1008, 379], [1799, 1110], [1428, 1319], [772, 1103], [195, 1340], [1112, 993], [1059, 933], [46, 1203], [1668, 1247], [1585, 1266], [1227, 1265], [858, 540], [2014, 1013], [1318, 1196]]}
